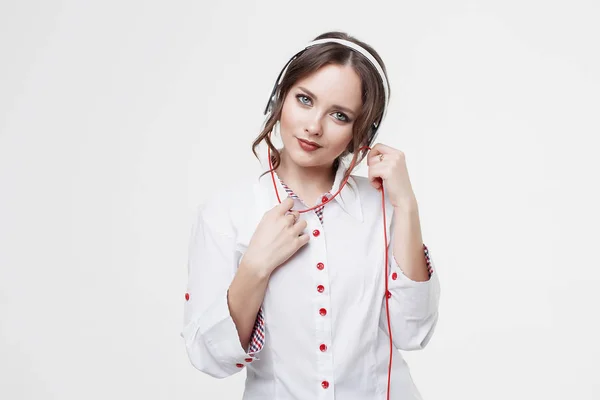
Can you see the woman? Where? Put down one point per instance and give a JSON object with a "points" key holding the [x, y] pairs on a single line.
{"points": [[313, 304]]}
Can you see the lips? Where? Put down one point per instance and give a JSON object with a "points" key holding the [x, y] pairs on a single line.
{"points": [[309, 144]]}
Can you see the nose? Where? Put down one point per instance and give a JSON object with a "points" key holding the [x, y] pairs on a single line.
{"points": [[313, 125]]}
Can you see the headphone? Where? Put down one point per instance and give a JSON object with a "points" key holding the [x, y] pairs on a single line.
{"points": [[375, 128]]}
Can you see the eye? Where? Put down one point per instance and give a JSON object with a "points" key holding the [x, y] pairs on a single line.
{"points": [[303, 99], [341, 116]]}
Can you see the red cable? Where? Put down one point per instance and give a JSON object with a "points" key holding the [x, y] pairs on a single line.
{"points": [[387, 306]]}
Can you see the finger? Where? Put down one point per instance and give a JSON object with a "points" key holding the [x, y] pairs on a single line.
{"points": [[286, 205], [383, 148], [302, 240], [296, 214], [376, 152], [299, 227], [375, 177], [377, 183], [292, 217], [373, 157]]}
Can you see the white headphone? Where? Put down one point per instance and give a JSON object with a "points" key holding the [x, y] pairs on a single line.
{"points": [[353, 46]]}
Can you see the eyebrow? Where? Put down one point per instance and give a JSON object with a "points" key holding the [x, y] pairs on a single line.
{"points": [[311, 94]]}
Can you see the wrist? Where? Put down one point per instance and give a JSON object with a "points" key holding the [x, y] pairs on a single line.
{"points": [[408, 206], [258, 270]]}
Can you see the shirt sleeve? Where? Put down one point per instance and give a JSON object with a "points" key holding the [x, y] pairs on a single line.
{"points": [[413, 305], [210, 335]]}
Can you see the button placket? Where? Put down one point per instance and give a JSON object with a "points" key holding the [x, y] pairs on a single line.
{"points": [[322, 300], [322, 312]]}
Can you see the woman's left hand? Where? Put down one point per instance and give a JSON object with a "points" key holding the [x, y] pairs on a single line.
{"points": [[387, 166]]}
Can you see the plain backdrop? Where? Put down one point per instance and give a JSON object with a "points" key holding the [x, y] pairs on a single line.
{"points": [[117, 118]]}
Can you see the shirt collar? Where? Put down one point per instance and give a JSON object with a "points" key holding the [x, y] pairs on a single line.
{"points": [[348, 198]]}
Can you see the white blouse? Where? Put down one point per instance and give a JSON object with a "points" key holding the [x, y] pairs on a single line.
{"points": [[322, 331]]}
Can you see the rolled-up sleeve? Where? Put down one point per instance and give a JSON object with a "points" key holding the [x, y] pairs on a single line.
{"points": [[210, 335], [413, 305]]}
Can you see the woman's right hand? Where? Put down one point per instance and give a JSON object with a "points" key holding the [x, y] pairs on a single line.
{"points": [[278, 236]]}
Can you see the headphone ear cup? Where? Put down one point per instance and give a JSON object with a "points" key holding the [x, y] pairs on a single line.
{"points": [[271, 104], [373, 133]]}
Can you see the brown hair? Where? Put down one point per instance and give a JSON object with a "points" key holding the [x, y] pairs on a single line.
{"points": [[315, 57]]}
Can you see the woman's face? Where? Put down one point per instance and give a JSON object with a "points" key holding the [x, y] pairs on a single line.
{"points": [[320, 108]]}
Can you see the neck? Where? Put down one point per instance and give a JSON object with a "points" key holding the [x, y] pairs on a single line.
{"points": [[305, 181]]}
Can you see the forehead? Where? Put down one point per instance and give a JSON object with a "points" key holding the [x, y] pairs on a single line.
{"points": [[335, 84]]}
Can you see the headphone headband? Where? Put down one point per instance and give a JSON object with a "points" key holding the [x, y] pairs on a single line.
{"points": [[354, 47]]}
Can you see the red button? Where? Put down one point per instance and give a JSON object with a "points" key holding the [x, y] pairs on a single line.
{"points": [[239, 365], [187, 296], [323, 311], [323, 347], [325, 384], [320, 266], [389, 294], [320, 288], [316, 233], [394, 276], [324, 199], [248, 360]]}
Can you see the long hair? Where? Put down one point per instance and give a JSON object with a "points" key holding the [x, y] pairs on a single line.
{"points": [[312, 59]]}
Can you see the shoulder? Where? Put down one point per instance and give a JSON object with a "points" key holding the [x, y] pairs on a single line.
{"points": [[227, 207], [361, 182], [229, 197], [369, 196], [363, 187]]}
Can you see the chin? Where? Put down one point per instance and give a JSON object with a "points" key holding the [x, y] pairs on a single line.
{"points": [[303, 159]]}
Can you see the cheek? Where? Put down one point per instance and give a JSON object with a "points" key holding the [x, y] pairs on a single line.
{"points": [[341, 137], [289, 116]]}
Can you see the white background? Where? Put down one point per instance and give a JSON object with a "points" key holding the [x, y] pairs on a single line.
{"points": [[117, 118]]}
